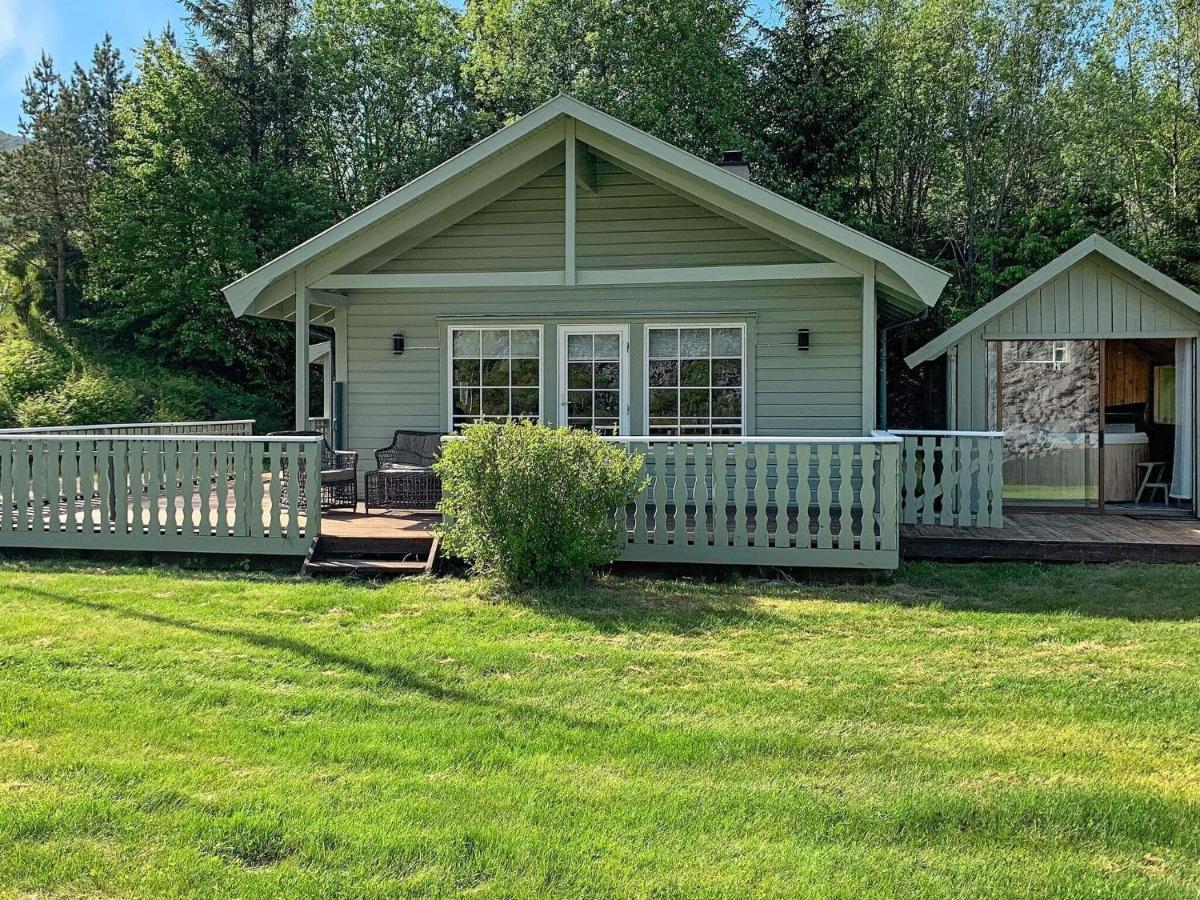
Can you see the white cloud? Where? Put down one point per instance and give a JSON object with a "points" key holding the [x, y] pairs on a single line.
{"points": [[26, 27]]}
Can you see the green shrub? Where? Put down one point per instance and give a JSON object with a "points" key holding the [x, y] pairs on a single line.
{"points": [[533, 505], [8, 411], [28, 368], [90, 400]]}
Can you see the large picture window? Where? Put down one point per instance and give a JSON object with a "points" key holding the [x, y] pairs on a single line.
{"points": [[495, 374], [696, 379]]}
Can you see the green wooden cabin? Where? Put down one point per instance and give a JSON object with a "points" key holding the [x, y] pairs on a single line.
{"points": [[574, 269]]}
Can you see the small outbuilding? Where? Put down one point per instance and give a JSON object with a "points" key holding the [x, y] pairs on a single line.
{"points": [[1088, 366]]}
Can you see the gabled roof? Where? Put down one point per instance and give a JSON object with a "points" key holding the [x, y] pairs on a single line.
{"points": [[903, 275], [1047, 273]]}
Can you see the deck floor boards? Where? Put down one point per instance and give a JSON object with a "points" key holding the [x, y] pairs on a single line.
{"points": [[1059, 537]]}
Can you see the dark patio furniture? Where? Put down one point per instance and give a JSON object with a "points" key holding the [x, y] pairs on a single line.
{"points": [[339, 472], [404, 477]]}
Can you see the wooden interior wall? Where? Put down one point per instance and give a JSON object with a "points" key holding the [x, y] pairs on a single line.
{"points": [[1127, 374]]}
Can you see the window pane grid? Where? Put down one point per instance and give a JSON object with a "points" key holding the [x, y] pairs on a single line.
{"points": [[495, 375], [696, 380], [594, 382]]}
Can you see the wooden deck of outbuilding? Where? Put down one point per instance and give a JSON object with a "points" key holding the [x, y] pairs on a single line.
{"points": [[1060, 537]]}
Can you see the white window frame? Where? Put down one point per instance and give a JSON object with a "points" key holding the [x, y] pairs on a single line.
{"points": [[745, 387], [605, 328], [495, 326]]}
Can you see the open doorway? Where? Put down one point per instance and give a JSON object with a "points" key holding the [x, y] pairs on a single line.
{"points": [[1096, 424]]}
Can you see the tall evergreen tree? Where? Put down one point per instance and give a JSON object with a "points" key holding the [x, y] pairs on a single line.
{"points": [[250, 53], [814, 105], [100, 86], [44, 183]]}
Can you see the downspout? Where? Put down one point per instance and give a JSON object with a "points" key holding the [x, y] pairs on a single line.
{"points": [[881, 361]]}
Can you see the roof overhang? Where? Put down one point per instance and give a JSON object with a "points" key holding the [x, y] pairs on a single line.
{"points": [[518, 150], [1094, 244]]}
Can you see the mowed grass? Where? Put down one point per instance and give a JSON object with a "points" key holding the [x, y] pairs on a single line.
{"points": [[954, 731]]}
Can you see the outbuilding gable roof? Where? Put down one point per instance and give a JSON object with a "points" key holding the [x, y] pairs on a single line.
{"points": [[1081, 251]]}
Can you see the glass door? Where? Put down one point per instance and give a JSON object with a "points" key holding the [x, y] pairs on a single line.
{"points": [[593, 378], [1045, 396]]}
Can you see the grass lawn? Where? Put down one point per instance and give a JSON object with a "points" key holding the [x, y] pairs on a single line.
{"points": [[956, 731]]}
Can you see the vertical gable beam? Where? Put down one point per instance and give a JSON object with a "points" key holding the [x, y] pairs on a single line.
{"points": [[302, 301], [569, 187], [870, 356]]}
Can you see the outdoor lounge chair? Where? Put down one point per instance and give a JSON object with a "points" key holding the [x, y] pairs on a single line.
{"points": [[404, 476], [339, 472]]}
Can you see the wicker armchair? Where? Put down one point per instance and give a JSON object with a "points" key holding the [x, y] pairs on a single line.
{"points": [[339, 472], [404, 476]]}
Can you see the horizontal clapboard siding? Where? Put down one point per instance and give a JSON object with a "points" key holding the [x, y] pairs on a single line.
{"points": [[630, 223], [1091, 300], [521, 232], [818, 392]]}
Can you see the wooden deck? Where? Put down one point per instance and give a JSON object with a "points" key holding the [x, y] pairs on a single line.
{"points": [[379, 525], [1059, 537]]}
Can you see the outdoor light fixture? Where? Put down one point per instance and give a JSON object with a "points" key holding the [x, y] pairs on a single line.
{"points": [[397, 343], [802, 339]]}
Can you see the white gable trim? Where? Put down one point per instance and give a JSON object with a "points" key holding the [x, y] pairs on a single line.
{"points": [[1085, 248], [904, 274]]}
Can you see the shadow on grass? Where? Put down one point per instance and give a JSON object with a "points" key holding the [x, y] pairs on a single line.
{"points": [[390, 675], [1128, 592]]}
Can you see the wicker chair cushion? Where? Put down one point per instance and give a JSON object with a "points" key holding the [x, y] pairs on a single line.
{"points": [[405, 467], [331, 475]]}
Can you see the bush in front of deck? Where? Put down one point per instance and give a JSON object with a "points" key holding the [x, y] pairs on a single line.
{"points": [[534, 505]]}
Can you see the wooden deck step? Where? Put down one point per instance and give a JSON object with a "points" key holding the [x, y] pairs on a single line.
{"points": [[388, 557]]}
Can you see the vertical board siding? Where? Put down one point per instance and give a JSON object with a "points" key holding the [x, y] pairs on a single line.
{"points": [[1092, 299], [189, 494], [951, 478], [773, 502]]}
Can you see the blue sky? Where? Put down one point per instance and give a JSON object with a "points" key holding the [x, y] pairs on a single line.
{"points": [[68, 29]]}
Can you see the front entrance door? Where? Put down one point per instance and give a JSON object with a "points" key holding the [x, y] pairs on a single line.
{"points": [[593, 377]]}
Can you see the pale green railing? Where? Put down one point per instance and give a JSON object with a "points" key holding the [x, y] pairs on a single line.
{"points": [[190, 494], [952, 478], [221, 426], [767, 501]]}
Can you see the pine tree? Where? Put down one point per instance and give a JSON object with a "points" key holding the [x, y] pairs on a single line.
{"points": [[44, 184]]}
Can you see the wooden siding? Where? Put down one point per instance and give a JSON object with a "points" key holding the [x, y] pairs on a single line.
{"points": [[1091, 300], [522, 231], [818, 392], [629, 222]]}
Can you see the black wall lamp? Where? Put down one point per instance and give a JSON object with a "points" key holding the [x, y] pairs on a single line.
{"points": [[802, 339], [397, 343]]}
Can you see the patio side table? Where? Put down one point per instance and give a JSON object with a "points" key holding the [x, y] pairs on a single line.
{"points": [[403, 487]]}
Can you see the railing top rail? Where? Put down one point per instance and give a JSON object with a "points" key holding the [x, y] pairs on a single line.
{"points": [[64, 429], [747, 439], [732, 439], [913, 432], [162, 438]]}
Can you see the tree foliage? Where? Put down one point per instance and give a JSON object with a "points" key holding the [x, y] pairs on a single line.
{"points": [[983, 135]]}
